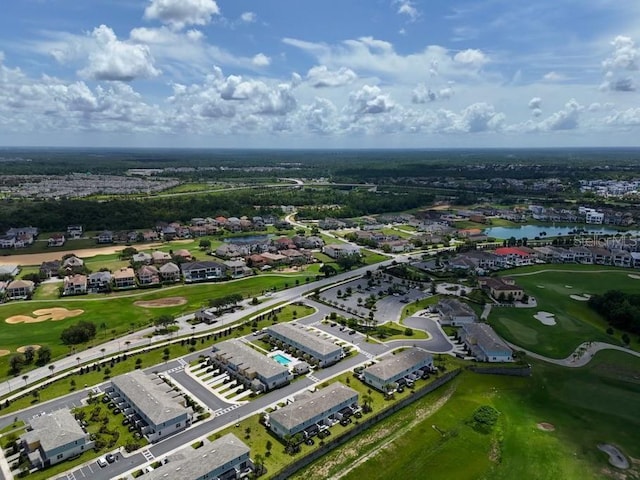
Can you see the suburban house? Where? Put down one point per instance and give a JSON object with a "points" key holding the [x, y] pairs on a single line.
{"points": [[7, 242], [455, 313], [621, 258], [162, 412], [514, 256], [50, 269], [237, 268], [636, 259], [56, 240], [601, 256], [124, 278], [273, 258], [412, 363], [312, 410], [226, 458], [317, 348], [54, 437], [105, 237], [232, 250], [202, 271], [160, 257], [148, 275], [183, 254], [169, 272], [582, 255], [501, 288], [99, 281], [484, 343], [19, 289], [75, 285], [336, 250], [250, 367], [74, 231], [11, 269], [72, 263], [141, 257]]}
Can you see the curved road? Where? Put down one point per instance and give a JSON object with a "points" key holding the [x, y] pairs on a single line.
{"points": [[580, 357]]}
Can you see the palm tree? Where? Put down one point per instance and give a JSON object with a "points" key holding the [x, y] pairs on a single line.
{"points": [[127, 343], [25, 378], [258, 461], [103, 350], [51, 368], [78, 360]]}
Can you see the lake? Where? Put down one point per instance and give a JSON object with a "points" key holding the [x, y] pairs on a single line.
{"points": [[248, 239], [533, 231]]}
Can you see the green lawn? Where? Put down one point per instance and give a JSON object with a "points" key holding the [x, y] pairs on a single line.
{"points": [[587, 406], [414, 307], [576, 322], [119, 312]]}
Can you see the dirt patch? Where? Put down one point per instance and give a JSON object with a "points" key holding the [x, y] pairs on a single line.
{"points": [[546, 427], [161, 302], [4, 353], [24, 349], [42, 315]]}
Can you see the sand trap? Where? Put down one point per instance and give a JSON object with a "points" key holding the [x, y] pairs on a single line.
{"points": [[546, 427], [161, 302], [54, 314], [581, 298], [616, 458], [568, 286], [545, 318], [4, 353], [24, 349], [540, 286], [634, 276]]}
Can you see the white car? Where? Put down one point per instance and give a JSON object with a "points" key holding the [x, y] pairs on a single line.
{"points": [[102, 462]]}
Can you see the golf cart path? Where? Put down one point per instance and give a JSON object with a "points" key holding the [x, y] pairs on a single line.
{"points": [[581, 356]]}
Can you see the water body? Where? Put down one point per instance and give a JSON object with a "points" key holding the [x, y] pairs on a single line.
{"points": [[248, 239], [533, 231]]}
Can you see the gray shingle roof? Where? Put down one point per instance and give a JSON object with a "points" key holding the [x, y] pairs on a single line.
{"points": [[153, 397], [248, 359], [311, 405], [304, 338], [189, 463], [54, 430], [392, 365]]}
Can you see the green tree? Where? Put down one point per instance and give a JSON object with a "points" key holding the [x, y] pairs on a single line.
{"points": [[205, 244]]}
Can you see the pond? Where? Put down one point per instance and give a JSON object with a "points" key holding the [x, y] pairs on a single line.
{"points": [[248, 239], [533, 231]]}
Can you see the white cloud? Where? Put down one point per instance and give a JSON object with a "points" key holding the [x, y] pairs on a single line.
{"points": [[261, 60], [369, 100], [407, 7], [535, 103], [471, 57], [179, 13], [248, 17], [553, 77], [112, 59], [423, 94], [621, 66], [565, 119], [626, 118], [319, 117], [320, 76]]}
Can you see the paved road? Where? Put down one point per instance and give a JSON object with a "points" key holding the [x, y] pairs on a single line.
{"points": [[438, 343]]}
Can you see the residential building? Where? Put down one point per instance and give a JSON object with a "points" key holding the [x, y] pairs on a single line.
{"points": [[74, 231], [7, 241], [72, 263], [323, 351], [273, 258], [515, 256], [183, 254], [105, 237], [226, 458], [56, 240], [142, 258], [162, 412], [75, 285], [410, 362], [148, 275], [10, 269], [582, 255], [237, 268], [621, 258], [253, 369], [30, 231], [336, 250], [124, 278], [485, 344], [501, 288], [312, 409], [159, 257], [20, 289], [635, 256], [99, 281], [455, 313], [202, 271], [169, 272], [50, 269], [54, 437], [601, 256]]}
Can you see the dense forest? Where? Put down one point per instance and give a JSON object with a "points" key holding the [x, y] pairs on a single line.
{"points": [[122, 214], [621, 310]]}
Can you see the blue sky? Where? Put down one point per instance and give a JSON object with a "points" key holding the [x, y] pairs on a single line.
{"points": [[331, 74]]}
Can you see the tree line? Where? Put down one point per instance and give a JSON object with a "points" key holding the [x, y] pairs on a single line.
{"points": [[620, 309]]}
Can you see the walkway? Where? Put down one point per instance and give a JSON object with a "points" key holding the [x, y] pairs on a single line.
{"points": [[580, 357]]}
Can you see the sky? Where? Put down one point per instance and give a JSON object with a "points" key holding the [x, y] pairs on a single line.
{"points": [[320, 74]]}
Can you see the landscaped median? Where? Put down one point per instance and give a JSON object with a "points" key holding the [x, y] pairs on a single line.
{"points": [[272, 452]]}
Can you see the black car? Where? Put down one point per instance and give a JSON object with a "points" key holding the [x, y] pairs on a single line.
{"points": [[111, 405], [309, 441], [333, 324], [352, 332], [106, 399], [109, 457], [345, 421], [132, 428], [126, 421], [116, 411]]}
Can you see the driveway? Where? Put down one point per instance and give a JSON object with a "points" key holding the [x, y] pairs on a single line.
{"points": [[438, 343]]}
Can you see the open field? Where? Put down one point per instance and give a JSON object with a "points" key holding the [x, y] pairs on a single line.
{"points": [[575, 321], [119, 312], [586, 406]]}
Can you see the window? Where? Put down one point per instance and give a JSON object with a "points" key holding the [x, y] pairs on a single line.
{"points": [[178, 425], [61, 455]]}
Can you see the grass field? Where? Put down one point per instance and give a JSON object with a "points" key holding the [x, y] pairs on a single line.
{"points": [[576, 322], [118, 311], [587, 406]]}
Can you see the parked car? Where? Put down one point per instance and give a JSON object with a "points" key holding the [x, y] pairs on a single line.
{"points": [[116, 411], [109, 457], [352, 332], [309, 441], [126, 421], [102, 462]]}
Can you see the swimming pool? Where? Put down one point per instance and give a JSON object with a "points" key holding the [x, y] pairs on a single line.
{"points": [[281, 359]]}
